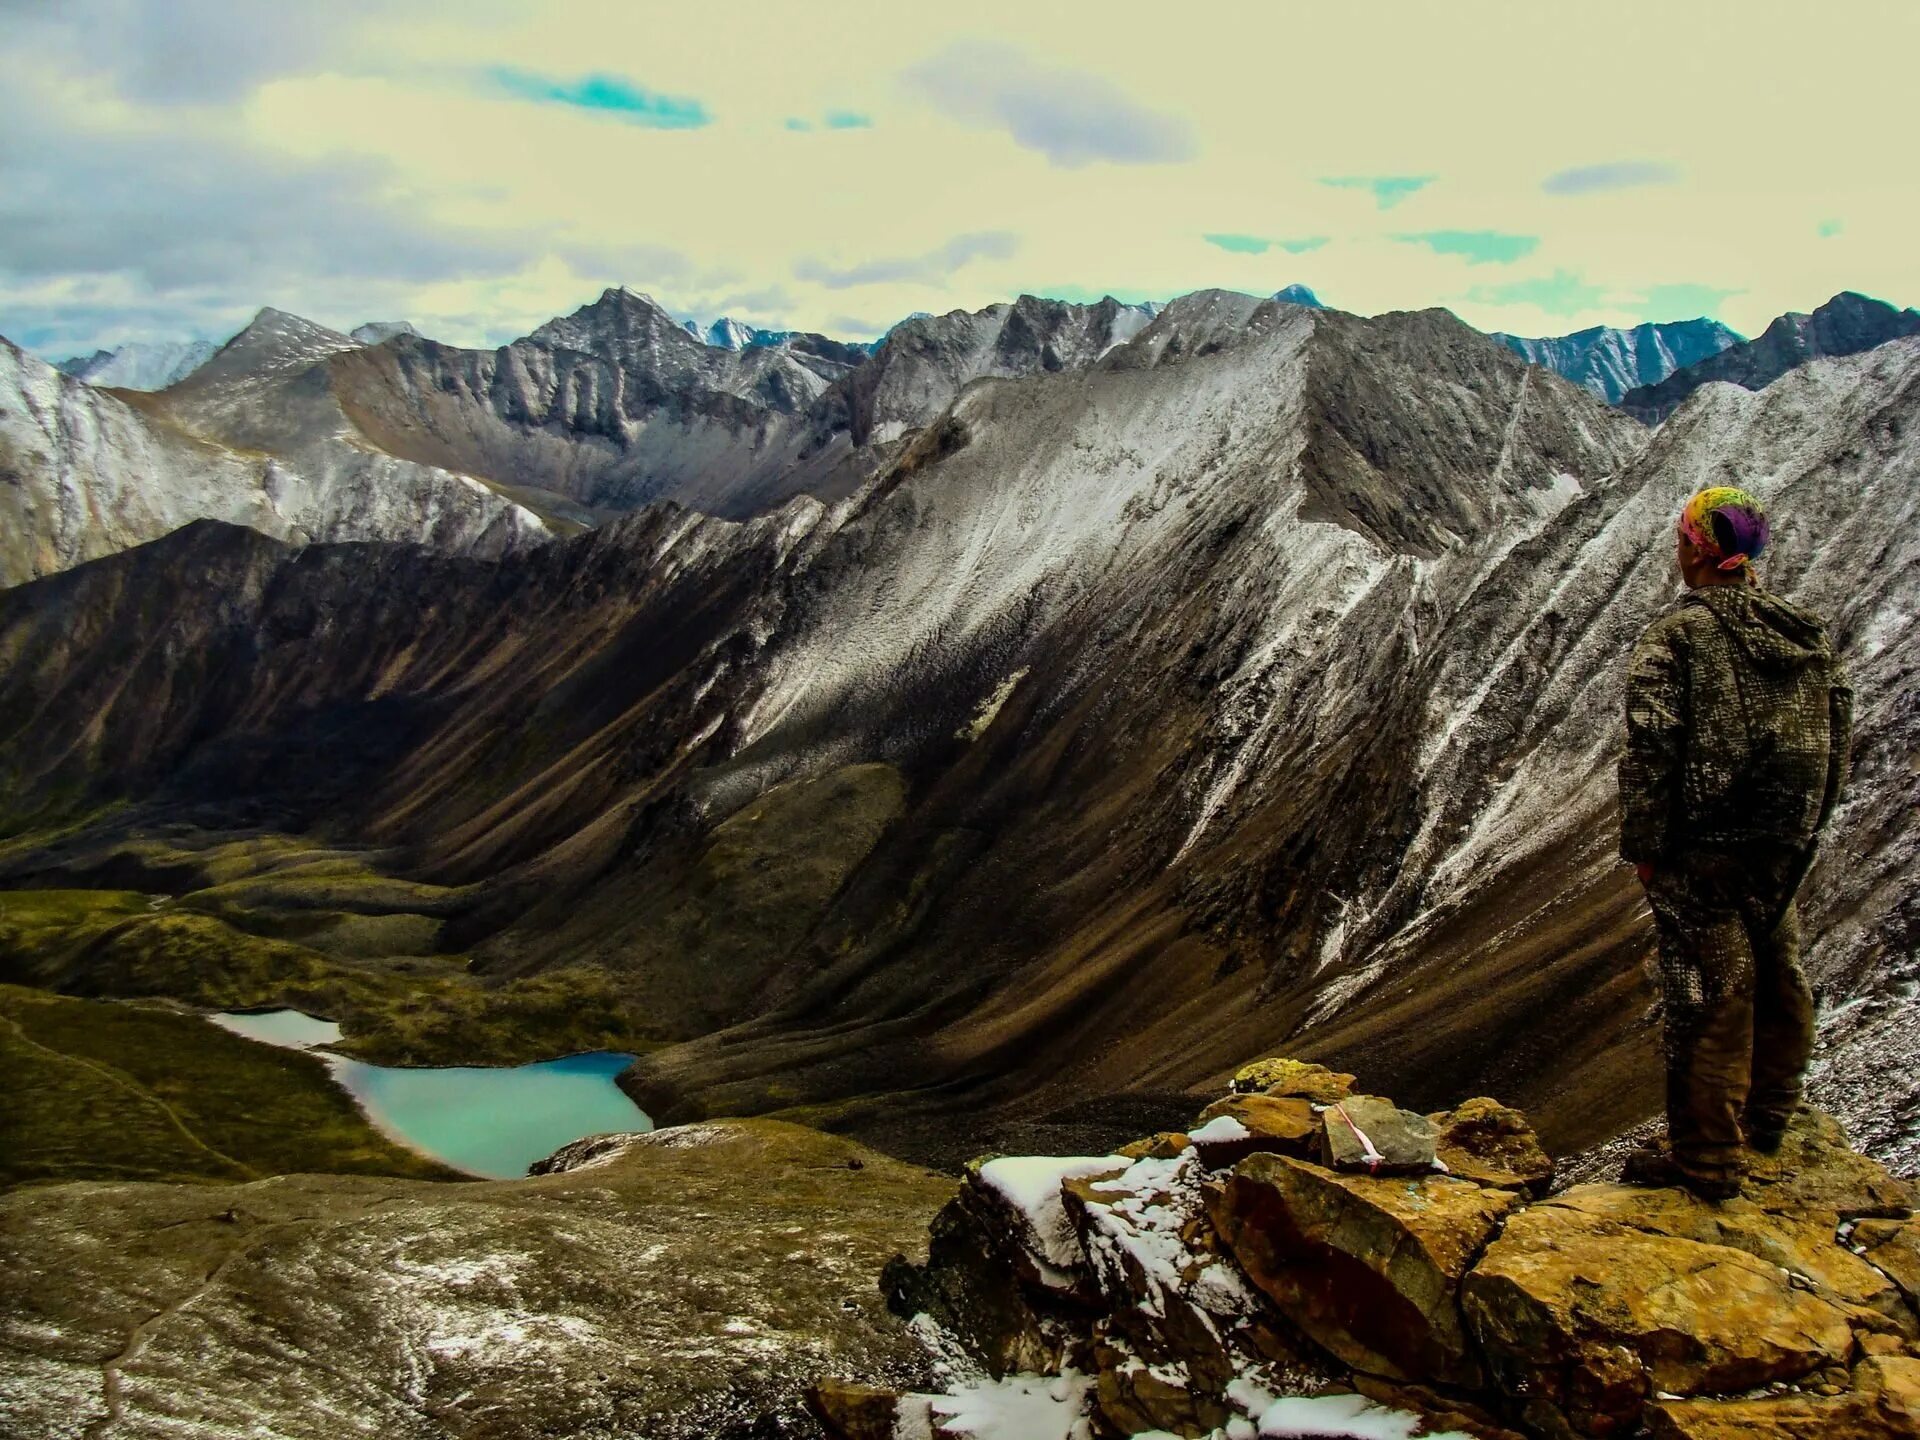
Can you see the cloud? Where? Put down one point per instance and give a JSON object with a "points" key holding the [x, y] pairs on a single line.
{"points": [[928, 269], [1260, 244], [1561, 293], [1072, 117], [1616, 175], [831, 120], [194, 52], [1240, 244], [1683, 302], [1387, 190], [602, 94], [1476, 247], [183, 229]]}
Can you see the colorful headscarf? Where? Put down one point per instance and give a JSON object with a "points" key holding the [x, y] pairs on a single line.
{"points": [[1726, 525]]}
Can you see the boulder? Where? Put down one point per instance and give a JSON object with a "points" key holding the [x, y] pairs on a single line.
{"points": [[1441, 1412], [1815, 1169], [1492, 1144], [1802, 1245], [1377, 1136], [1366, 1266], [1893, 1248], [1163, 1146], [854, 1412], [1279, 1076], [1589, 1318], [1883, 1404], [1135, 1397], [1172, 1298], [980, 1287], [1241, 1125]]}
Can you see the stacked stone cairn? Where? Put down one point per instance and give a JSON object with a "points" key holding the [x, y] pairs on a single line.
{"points": [[1304, 1241]]}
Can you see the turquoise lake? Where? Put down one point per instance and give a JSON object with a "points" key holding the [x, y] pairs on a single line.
{"points": [[485, 1120]]}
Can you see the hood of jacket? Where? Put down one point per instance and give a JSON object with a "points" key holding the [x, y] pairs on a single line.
{"points": [[1773, 633]]}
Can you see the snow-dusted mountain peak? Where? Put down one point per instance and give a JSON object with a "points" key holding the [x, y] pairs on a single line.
{"points": [[376, 331], [1610, 361], [140, 364]]}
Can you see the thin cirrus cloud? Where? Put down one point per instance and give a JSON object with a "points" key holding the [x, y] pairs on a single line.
{"points": [[1072, 117], [1387, 190], [1615, 175], [1561, 293], [928, 269], [1260, 244], [602, 94], [1476, 247]]}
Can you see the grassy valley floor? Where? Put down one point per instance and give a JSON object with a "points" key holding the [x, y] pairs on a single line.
{"points": [[100, 1090]]}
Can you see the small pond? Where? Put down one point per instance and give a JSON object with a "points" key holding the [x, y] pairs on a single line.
{"points": [[492, 1121]]}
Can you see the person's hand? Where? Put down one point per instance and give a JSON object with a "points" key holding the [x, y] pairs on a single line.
{"points": [[1645, 872]]}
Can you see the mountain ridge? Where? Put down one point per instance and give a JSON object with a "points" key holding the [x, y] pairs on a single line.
{"points": [[1847, 324]]}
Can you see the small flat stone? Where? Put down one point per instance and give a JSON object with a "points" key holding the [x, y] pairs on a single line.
{"points": [[1376, 1136]]}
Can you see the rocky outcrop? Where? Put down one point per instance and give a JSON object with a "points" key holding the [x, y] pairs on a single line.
{"points": [[1219, 1296]]}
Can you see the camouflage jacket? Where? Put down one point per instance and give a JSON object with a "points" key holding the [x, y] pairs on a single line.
{"points": [[1739, 718]]}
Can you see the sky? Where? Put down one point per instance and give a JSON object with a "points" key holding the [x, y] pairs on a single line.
{"points": [[167, 167]]}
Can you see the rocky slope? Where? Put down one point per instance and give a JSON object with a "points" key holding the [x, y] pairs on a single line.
{"points": [[1254, 680], [1845, 325], [1264, 1275], [85, 473], [1610, 362], [682, 1285]]}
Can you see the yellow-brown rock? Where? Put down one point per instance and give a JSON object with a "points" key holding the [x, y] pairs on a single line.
{"points": [[1284, 1124], [1280, 1076], [1815, 1169], [1492, 1144], [854, 1412], [1803, 1245], [1883, 1404], [1442, 1412], [1589, 1318], [1893, 1248], [1163, 1146], [1366, 1266]]}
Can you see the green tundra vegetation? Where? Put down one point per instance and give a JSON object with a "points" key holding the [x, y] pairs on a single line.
{"points": [[100, 1090]]}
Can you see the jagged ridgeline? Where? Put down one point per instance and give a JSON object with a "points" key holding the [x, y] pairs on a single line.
{"points": [[1065, 705]]}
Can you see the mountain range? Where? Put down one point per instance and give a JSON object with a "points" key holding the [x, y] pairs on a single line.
{"points": [[1845, 325], [1061, 701], [1611, 362]]}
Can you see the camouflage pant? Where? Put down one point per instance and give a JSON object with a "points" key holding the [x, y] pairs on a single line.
{"points": [[1739, 1012]]}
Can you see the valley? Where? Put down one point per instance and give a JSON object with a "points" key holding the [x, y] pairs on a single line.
{"points": [[1239, 677]]}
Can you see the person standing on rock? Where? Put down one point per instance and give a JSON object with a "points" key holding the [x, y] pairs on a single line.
{"points": [[1738, 720]]}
